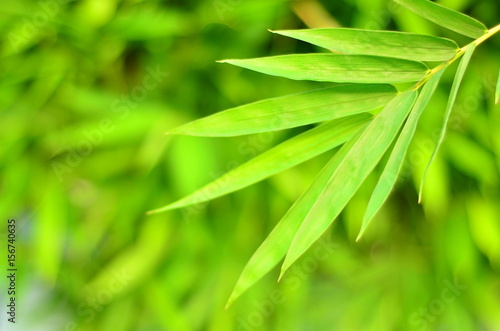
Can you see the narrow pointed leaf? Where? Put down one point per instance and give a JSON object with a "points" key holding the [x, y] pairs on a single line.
{"points": [[340, 68], [497, 94], [274, 248], [393, 167], [292, 110], [451, 102], [350, 174], [402, 45], [446, 17], [283, 156]]}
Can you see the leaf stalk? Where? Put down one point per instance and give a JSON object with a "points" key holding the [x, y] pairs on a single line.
{"points": [[459, 54]]}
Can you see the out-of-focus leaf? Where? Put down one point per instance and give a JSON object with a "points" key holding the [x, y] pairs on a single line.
{"points": [[393, 166], [350, 174], [287, 154], [292, 110], [119, 315], [169, 314], [451, 102], [446, 17], [402, 45], [471, 158], [485, 228], [274, 248], [50, 227], [338, 68], [459, 5], [187, 173], [497, 94], [134, 265], [148, 23]]}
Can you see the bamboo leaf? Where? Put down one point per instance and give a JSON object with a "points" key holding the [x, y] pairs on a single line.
{"points": [[274, 248], [446, 17], [393, 166], [402, 45], [350, 174], [286, 155], [292, 110], [340, 68], [451, 102]]}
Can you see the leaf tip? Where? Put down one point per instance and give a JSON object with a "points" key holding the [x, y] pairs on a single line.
{"points": [[282, 273], [364, 226], [177, 130], [358, 238], [226, 61], [184, 129], [228, 304], [160, 210], [284, 267], [234, 295], [421, 189]]}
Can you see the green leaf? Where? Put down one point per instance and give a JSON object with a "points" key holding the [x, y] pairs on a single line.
{"points": [[340, 68], [451, 102], [402, 45], [497, 94], [292, 110], [51, 225], [286, 155], [446, 17], [350, 174], [274, 248], [393, 167]]}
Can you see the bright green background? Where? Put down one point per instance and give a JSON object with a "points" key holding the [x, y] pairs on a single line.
{"points": [[79, 169]]}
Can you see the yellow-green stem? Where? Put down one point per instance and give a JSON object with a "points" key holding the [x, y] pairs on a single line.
{"points": [[459, 54]]}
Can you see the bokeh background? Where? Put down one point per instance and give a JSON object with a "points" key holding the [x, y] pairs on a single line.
{"points": [[87, 90]]}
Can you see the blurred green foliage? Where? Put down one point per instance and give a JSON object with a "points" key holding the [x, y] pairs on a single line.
{"points": [[87, 89]]}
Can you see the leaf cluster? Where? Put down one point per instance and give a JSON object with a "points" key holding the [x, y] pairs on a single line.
{"points": [[364, 66]]}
